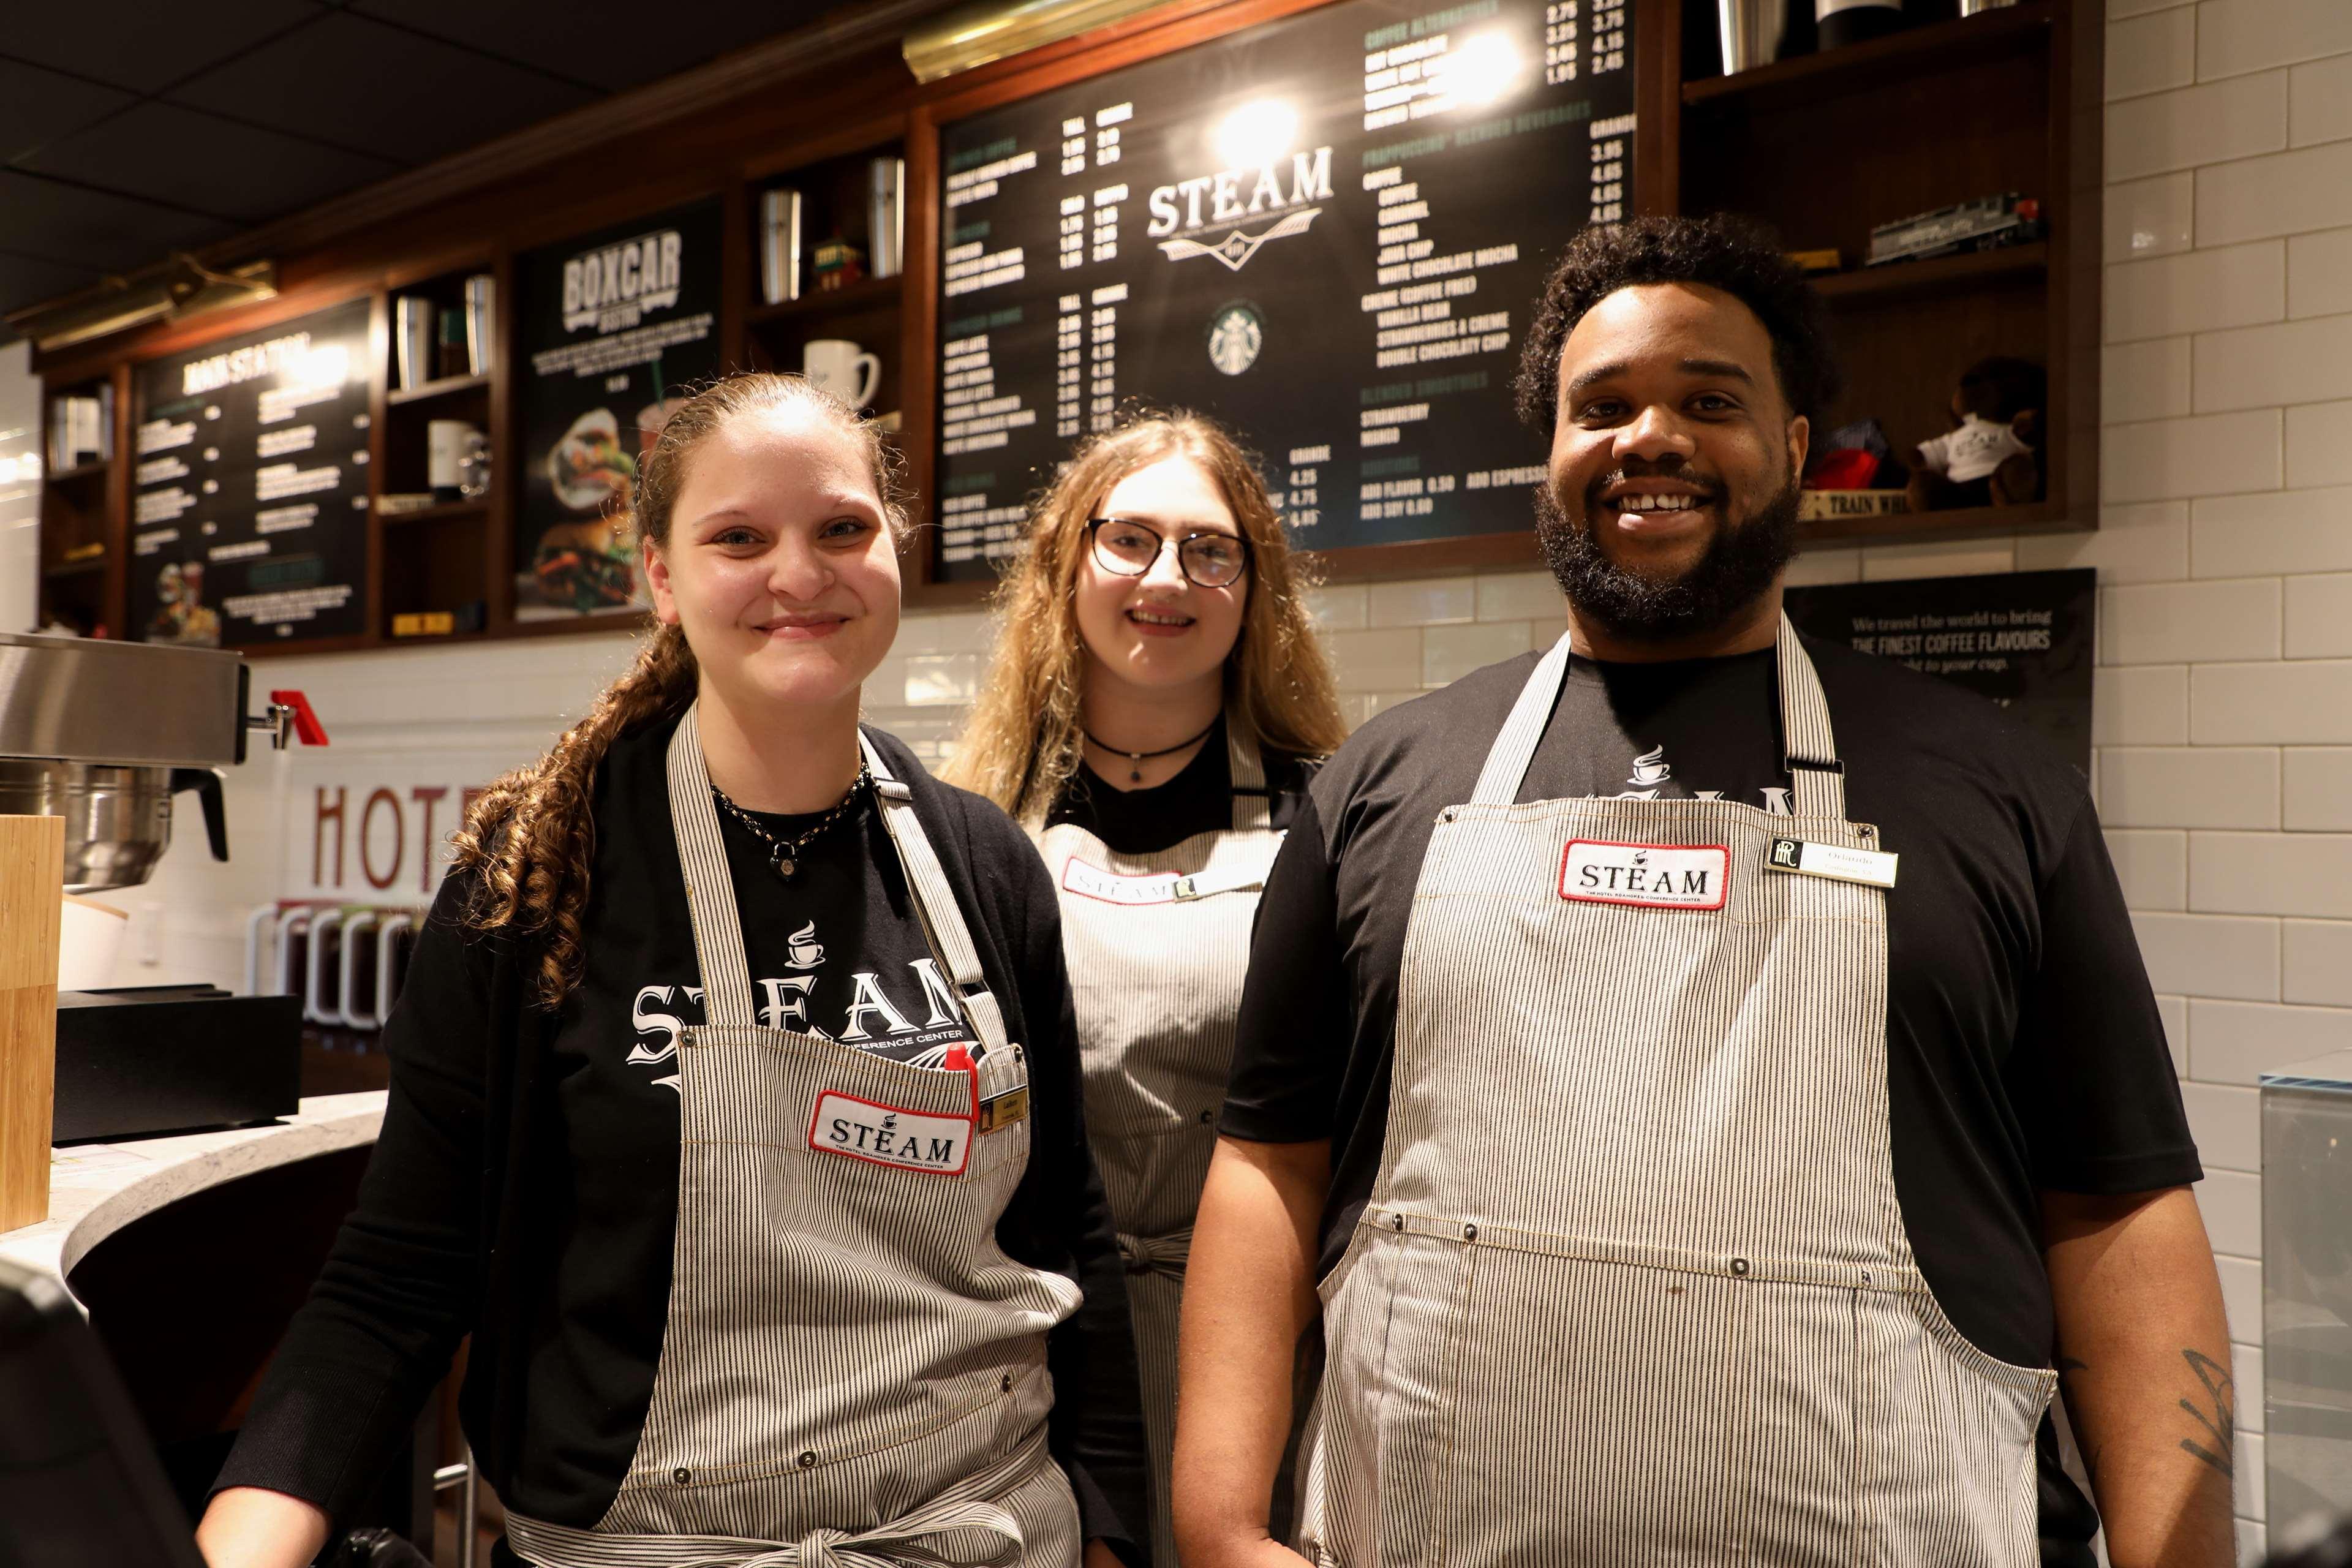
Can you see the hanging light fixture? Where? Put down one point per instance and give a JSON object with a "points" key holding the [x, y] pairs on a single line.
{"points": [[173, 289], [989, 30]]}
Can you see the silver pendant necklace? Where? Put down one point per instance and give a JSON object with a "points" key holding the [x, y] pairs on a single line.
{"points": [[783, 854]]}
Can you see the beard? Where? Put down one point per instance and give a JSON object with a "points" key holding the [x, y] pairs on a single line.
{"points": [[1740, 563]]}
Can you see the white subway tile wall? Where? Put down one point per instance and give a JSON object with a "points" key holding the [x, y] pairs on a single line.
{"points": [[2223, 719]]}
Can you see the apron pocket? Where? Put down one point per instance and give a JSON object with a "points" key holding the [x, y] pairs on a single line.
{"points": [[1620, 1394]]}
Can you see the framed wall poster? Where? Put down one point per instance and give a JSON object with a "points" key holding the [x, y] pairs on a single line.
{"points": [[249, 501], [2026, 640], [615, 327], [1327, 232]]}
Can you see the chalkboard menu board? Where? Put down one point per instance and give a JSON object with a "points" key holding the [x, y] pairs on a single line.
{"points": [[1327, 232], [615, 325], [249, 503]]}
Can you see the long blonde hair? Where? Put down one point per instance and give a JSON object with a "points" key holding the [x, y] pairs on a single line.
{"points": [[1022, 746], [532, 836]]}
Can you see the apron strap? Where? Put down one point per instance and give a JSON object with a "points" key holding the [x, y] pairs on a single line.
{"points": [[1515, 747], [935, 902], [1810, 747], [710, 886], [1253, 806], [960, 1526], [1813, 760]]}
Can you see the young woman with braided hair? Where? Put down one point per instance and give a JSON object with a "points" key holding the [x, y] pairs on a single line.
{"points": [[735, 1108]]}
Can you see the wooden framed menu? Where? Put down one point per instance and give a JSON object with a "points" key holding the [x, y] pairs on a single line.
{"points": [[250, 499], [1328, 232]]}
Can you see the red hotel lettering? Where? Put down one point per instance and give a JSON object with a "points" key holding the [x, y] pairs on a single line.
{"points": [[324, 815], [399, 837], [428, 795]]}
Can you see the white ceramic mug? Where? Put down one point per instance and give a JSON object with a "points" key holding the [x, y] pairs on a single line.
{"points": [[834, 363]]}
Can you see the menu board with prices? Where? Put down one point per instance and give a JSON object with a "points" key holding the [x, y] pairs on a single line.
{"points": [[1327, 232], [617, 328], [250, 499]]}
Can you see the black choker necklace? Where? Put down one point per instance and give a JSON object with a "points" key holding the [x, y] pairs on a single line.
{"points": [[783, 854], [1136, 758]]}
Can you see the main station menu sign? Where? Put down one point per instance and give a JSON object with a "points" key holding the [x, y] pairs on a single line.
{"points": [[249, 502], [1327, 232], [616, 327]]}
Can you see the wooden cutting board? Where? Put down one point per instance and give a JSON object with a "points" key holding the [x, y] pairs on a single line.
{"points": [[32, 893]]}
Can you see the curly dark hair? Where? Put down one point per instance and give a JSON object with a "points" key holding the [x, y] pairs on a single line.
{"points": [[1739, 258]]}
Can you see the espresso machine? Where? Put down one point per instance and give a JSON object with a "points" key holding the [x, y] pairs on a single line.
{"points": [[107, 735]]}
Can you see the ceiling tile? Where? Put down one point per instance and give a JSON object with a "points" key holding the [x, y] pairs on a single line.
{"points": [[198, 160], [605, 42], [94, 228], [38, 106], [157, 47], [27, 281], [360, 84]]}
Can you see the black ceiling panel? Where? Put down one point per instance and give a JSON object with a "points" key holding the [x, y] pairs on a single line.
{"points": [[195, 160], [146, 46], [606, 43], [68, 224], [27, 278], [371, 88], [38, 106]]}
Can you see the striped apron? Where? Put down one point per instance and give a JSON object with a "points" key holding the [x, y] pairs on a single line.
{"points": [[852, 1374], [1158, 945], [1633, 1282]]}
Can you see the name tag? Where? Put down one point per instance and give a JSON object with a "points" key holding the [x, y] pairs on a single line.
{"points": [[1871, 868], [1094, 882], [887, 1135], [1648, 876], [1003, 1109]]}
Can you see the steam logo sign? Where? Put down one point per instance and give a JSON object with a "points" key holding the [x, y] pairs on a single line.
{"points": [[1264, 191], [1236, 333]]}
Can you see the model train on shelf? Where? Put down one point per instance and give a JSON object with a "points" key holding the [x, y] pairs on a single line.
{"points": [[1987, 224]]}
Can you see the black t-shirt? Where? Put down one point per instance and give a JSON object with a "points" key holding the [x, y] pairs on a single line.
{"points": [[1198, 799], [2024, 1049]]}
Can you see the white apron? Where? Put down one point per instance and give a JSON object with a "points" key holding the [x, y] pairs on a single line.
{"points": [[1158, 945], [1633, 1283], [852, 1374]]}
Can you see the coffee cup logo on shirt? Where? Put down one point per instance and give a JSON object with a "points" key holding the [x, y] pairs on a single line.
{"points": [[1647, 875]]}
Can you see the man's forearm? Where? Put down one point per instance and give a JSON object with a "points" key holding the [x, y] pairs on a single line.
{"points": [[2144, 1360], [1249, 1294]]}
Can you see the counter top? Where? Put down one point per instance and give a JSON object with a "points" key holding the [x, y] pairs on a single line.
{"points": [[95, 1189]]}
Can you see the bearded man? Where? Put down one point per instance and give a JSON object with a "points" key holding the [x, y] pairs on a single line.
{"points": [[1702, 1078]]}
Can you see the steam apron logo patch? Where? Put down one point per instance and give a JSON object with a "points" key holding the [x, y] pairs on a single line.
{"points": [[889, 1135], [1648, 876], [1236, 333], [1094, 882]]}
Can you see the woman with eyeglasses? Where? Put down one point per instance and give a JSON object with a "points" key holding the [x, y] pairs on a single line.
{"points": [[1158, 698]]}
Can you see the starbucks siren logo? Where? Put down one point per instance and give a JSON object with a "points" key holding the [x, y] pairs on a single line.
{"points": [[1236, 333]]}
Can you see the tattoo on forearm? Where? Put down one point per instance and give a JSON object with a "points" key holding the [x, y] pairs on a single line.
{"points": [[2067, 1367], [2218, 1449]]}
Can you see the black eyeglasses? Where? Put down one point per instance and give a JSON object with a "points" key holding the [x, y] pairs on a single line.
{"points": [[1130, 549]]}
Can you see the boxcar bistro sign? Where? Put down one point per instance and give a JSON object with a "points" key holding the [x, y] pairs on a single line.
{"points": [[616, 326], [250, 499], [1325, 231]]}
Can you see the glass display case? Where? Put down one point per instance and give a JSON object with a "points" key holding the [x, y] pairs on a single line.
{"points": [[2306, 1114]]}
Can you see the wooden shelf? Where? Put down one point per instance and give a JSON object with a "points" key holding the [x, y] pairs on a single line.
{"points": [[1937, 275], [437, 513], [79, 471], [2035, 517], [1921, 51], [863, 295], [446, 386], [76, 568]]}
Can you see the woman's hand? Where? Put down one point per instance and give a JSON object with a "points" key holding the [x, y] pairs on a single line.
{"points": [[246, 1527]]}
